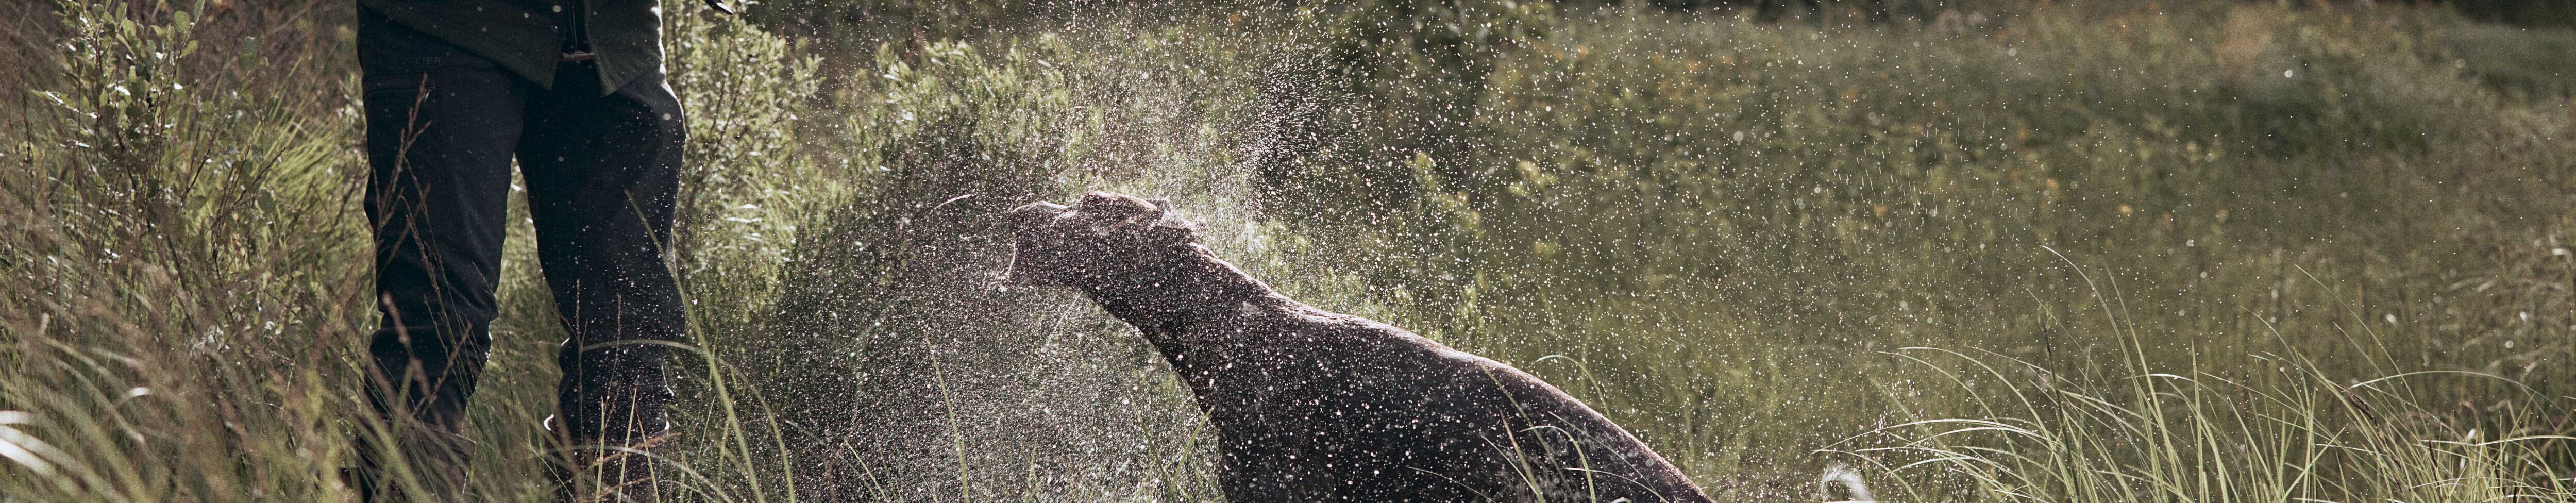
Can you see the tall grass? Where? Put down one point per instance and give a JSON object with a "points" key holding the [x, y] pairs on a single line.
{"points": [[2188, 252], [2130, 431], [1711, 223], [181, 292]]}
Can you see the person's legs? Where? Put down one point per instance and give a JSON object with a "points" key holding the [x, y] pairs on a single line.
{"points": [[441, 126], [602, 176]]}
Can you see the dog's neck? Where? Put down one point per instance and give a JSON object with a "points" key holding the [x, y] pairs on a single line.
{"points": [[1172, 294]]}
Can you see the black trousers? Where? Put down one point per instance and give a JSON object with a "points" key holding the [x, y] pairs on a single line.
{"points": [[601, 168]]}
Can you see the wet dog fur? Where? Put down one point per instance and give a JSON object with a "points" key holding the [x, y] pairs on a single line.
{"points": [[1311, 405]]}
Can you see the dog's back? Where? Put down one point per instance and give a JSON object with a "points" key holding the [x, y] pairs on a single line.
{"points": [[1315, 406]]}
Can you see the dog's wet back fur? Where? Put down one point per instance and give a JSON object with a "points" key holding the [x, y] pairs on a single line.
{"points": [[1311, 405]]}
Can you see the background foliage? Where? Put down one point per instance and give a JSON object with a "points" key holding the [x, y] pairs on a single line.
{"points": [[1977, 251]]}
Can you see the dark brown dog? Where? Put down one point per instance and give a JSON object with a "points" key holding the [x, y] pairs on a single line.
{"points": [[1311, 405]]}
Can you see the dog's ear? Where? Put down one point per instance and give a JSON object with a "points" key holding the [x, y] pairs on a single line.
{"points": [[1172, 232], [1108, 212], [1169, 228]]}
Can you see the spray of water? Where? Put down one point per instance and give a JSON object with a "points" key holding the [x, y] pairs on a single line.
{"points": [[1854, 490]]}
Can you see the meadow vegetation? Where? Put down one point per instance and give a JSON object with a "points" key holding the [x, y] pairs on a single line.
{"points": [[2073, 251]]}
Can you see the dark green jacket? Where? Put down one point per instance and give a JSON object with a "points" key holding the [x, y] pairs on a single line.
{"points": [[527, 36]]}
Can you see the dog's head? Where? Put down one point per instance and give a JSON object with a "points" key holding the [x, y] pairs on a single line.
{"points": [[1104, 234]]}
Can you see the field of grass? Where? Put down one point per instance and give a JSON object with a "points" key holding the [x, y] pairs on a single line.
{"points": [[2076, 251]]}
